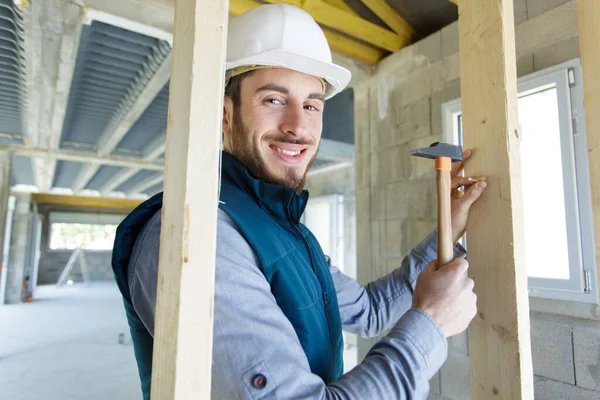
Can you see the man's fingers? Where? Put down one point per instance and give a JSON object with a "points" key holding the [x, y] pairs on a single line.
{"points": [[473, 193], [465, 181], [458, 266], [459, 166]]}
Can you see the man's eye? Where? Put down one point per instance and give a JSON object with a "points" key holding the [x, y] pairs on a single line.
{"points": [[311, 108], [274, 101]]}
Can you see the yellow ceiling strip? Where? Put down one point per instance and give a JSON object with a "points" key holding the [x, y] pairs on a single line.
{"points": [[390, 16], [87, 202], [341, 4], [349, 24]]}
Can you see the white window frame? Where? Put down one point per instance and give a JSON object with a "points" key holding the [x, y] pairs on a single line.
{"points": [[336, 204], [567, 78]]}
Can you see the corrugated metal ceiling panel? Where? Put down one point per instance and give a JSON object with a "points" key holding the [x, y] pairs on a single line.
{"points": [[152, 124], [154, 189], [134, 180], [104, 174], [66, 172], [113, 66], [12, 73]]}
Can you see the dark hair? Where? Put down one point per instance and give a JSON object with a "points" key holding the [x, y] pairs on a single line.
{"points": [[234, 88]]}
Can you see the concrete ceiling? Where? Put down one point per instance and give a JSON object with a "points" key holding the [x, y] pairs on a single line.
{"points": [[85, 93]]}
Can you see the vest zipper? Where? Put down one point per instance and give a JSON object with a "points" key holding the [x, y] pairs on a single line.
{"points": [[324, 294]]}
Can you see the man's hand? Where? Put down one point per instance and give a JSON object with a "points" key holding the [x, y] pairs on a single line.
{"points": [[462, 200], [447, 296]]}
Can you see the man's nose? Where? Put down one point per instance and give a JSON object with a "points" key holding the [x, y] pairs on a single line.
{"points": [[295, 121]]}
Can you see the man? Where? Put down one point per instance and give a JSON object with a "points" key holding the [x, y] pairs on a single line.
{"points": [[279, 306]]}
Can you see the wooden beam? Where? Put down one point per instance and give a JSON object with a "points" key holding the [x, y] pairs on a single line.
{"points": [[338, 43], [85, 201], [453, 1], [182, 358], [589, 43], [349, 24], [499, 338], [390, 16], [341, 4]]}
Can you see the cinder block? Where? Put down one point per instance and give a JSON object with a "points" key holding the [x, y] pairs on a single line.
{"points": [[547, 389], [363, 252], [452, 90], [556, 53], [393, 239], [451, 67], [394, 164], [587, 357], [381, 116], [525, 64], [553, 26], [363, 205], [552, 350], [378, 199], [421, 84], [363, 170], [409, 200], [520, 11], [412, 121], [456, 377], [537, 7], [437, 99], [450, 39], [415, 231], [430, 47], [362, 134], [392, 263]]}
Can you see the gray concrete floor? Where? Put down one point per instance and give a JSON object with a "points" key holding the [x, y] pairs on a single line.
{"points": [[65, 346]]}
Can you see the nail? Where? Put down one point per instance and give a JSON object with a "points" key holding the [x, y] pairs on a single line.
{"points": [[482, 185]]}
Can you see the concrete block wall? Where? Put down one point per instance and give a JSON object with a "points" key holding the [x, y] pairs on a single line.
{"points": [[398, 109]]}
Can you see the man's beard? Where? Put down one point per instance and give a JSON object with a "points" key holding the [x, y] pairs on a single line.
{"points": [[249, 155]]}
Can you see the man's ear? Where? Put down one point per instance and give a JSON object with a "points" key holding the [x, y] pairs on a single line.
{"points": [[227, 115]]}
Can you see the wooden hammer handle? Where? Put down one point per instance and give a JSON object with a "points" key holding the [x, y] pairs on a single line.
{"points": [[445, 240]]}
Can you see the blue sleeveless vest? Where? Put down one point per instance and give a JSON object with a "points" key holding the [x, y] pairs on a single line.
{"points": [[289, 257]]}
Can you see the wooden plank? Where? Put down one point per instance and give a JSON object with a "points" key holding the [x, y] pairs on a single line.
{"points": [[349, 24], [500, 345], [182, 360], [390, 16], [337, 42], [87, 202], [589, 42], [341, 4]]}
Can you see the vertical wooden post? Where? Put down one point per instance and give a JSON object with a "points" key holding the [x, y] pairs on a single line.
{"points": [[184, 310], [499, 337], [589, 43]]}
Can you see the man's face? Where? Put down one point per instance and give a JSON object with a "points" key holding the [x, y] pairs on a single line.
{"points": [[276, 130]]}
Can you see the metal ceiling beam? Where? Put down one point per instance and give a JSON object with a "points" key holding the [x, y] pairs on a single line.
{"points": [[151, 152], [80, 156], [145, 184], [120, 125], [52, 33]]}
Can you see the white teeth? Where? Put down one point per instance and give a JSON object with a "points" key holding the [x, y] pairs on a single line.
{"points": [[288, 153]]}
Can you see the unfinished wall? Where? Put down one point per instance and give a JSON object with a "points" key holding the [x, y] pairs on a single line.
{"points": [[52, 262], [399, 109]]}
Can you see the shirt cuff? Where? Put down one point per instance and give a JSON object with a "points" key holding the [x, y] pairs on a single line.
{"points": [[427, 337], [427, 249]]}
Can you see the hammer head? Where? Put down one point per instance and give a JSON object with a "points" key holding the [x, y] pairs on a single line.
{"points": [[440, 149]]}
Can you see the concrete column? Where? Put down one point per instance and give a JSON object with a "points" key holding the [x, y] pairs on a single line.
{"points": [[18, 249], [5, 182]]}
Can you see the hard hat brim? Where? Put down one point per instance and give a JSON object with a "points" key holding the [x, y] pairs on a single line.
{"points": [[337, 77]]}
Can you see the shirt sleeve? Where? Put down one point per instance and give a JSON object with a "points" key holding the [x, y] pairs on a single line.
{"points": [[369, 310], [257, 355]]}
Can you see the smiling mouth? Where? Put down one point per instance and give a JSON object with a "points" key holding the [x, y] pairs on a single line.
{"points": [[288, 152], [291, 154]]}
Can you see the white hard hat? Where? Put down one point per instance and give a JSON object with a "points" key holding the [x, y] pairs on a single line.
{"points": [[283, 36]]}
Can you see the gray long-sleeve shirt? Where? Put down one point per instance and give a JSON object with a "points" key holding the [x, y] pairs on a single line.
{"points": [[252, 336]]}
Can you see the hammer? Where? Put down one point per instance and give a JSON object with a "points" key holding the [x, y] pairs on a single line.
{"points": [[443, 154]]}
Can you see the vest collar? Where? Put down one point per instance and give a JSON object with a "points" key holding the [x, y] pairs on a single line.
{"points": [[279, 200]]}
